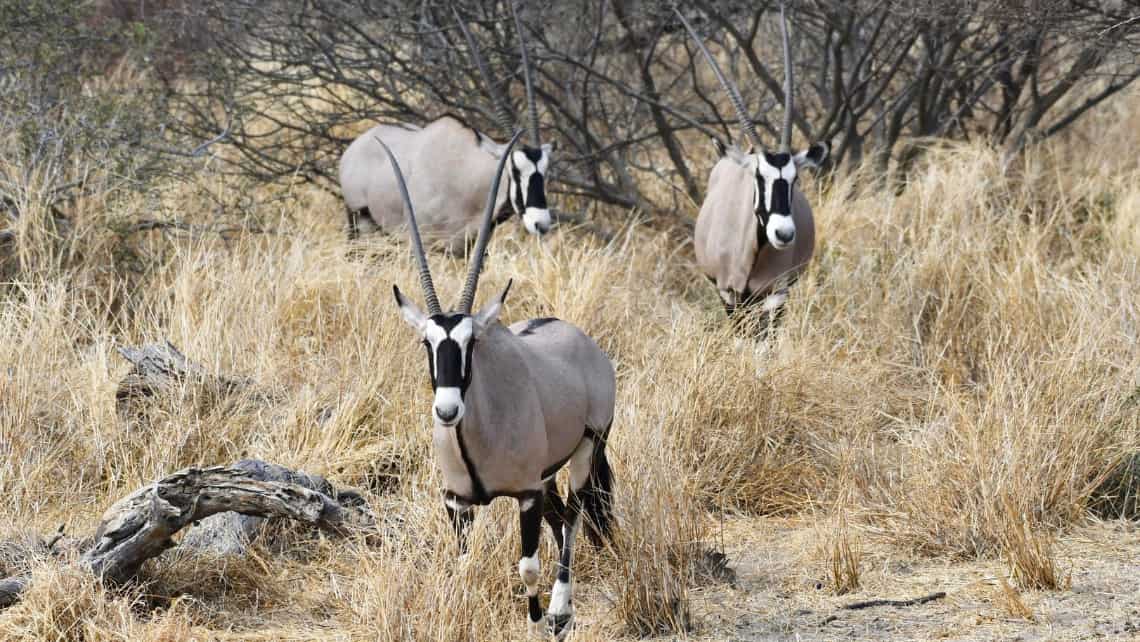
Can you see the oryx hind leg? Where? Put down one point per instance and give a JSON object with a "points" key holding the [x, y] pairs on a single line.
{"points": [[530, 528], [589, 478]]}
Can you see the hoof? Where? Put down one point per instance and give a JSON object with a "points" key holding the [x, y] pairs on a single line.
{"points": [[559, 624]]}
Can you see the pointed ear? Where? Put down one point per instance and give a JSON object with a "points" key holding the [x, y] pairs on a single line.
{"points": [[813, 156], [490, 312], [718, 145], [409, 311]]}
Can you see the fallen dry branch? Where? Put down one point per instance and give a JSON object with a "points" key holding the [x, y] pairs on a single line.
{"points": [[142, 525], [913, 602], [854, 606]]}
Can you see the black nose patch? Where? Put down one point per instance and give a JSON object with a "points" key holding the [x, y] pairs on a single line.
{"points": [[785, 236]]}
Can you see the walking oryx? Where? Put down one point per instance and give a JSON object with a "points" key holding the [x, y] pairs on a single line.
{"points": [[449, 165], [755, 233], [513, 406]]}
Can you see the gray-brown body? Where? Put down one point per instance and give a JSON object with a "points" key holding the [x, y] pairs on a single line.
{"points": [[536, 389], [448, 168], [726, 236]]}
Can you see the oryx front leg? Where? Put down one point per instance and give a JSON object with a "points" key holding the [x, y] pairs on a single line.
{"points": [[530, 523], [461, 513]]}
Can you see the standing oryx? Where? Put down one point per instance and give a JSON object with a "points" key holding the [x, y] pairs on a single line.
{"points": [[449, 165], [755, 232], [513, 406]]}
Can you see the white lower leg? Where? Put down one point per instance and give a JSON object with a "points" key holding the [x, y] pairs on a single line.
{"points": [[561, 602], [528, 570]]}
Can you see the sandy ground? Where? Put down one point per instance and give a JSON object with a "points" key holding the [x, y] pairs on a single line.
{"points": [[782, 592]]}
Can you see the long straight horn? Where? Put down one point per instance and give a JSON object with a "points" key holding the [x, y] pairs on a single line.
{"points": [[502, 113], [733, 93], [417, 244], [789, 89], [468, 296], [531, 106]]}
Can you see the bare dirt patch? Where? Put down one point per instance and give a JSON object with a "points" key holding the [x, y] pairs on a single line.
{"points": [[782, 591]]}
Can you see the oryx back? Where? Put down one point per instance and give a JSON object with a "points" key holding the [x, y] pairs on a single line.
{"points": [[447, 171], [574, 380]]}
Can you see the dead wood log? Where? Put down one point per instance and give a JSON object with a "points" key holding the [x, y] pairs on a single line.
{"points": [[159, 368], [141, 525], [10, 590], [230, 533]]}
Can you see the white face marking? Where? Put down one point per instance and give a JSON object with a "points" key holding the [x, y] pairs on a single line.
{"points": [[434, 334], [461, 334]]}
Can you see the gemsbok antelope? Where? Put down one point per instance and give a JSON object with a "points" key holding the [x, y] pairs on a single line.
{"points": [[755, 233], [449, 165], [512, 406]]}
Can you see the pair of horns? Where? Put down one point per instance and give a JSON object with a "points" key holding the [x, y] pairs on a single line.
{"points": [[468, 296], [502, 113], [746, 123]]}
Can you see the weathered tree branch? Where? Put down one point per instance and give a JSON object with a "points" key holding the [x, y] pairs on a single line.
{"points": [[142, 525]]}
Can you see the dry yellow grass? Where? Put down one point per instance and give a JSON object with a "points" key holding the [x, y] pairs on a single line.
{"points": [[959, 367]]}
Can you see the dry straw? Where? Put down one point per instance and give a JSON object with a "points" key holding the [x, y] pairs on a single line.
{"points": [[961, 352]]}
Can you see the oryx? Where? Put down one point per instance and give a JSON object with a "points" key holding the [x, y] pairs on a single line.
{"points": [[512, 406], [449, 165], [755, 234]]}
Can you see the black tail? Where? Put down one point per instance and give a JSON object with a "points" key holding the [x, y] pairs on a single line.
{"points": [[597, 495]]}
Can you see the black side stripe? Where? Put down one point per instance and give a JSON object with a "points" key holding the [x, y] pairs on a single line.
{"points": [[477, 488], [556, 467]]}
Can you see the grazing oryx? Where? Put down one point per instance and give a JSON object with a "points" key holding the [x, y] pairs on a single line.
{"points": [[513, 406], [449, 165], [755, 232]]}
